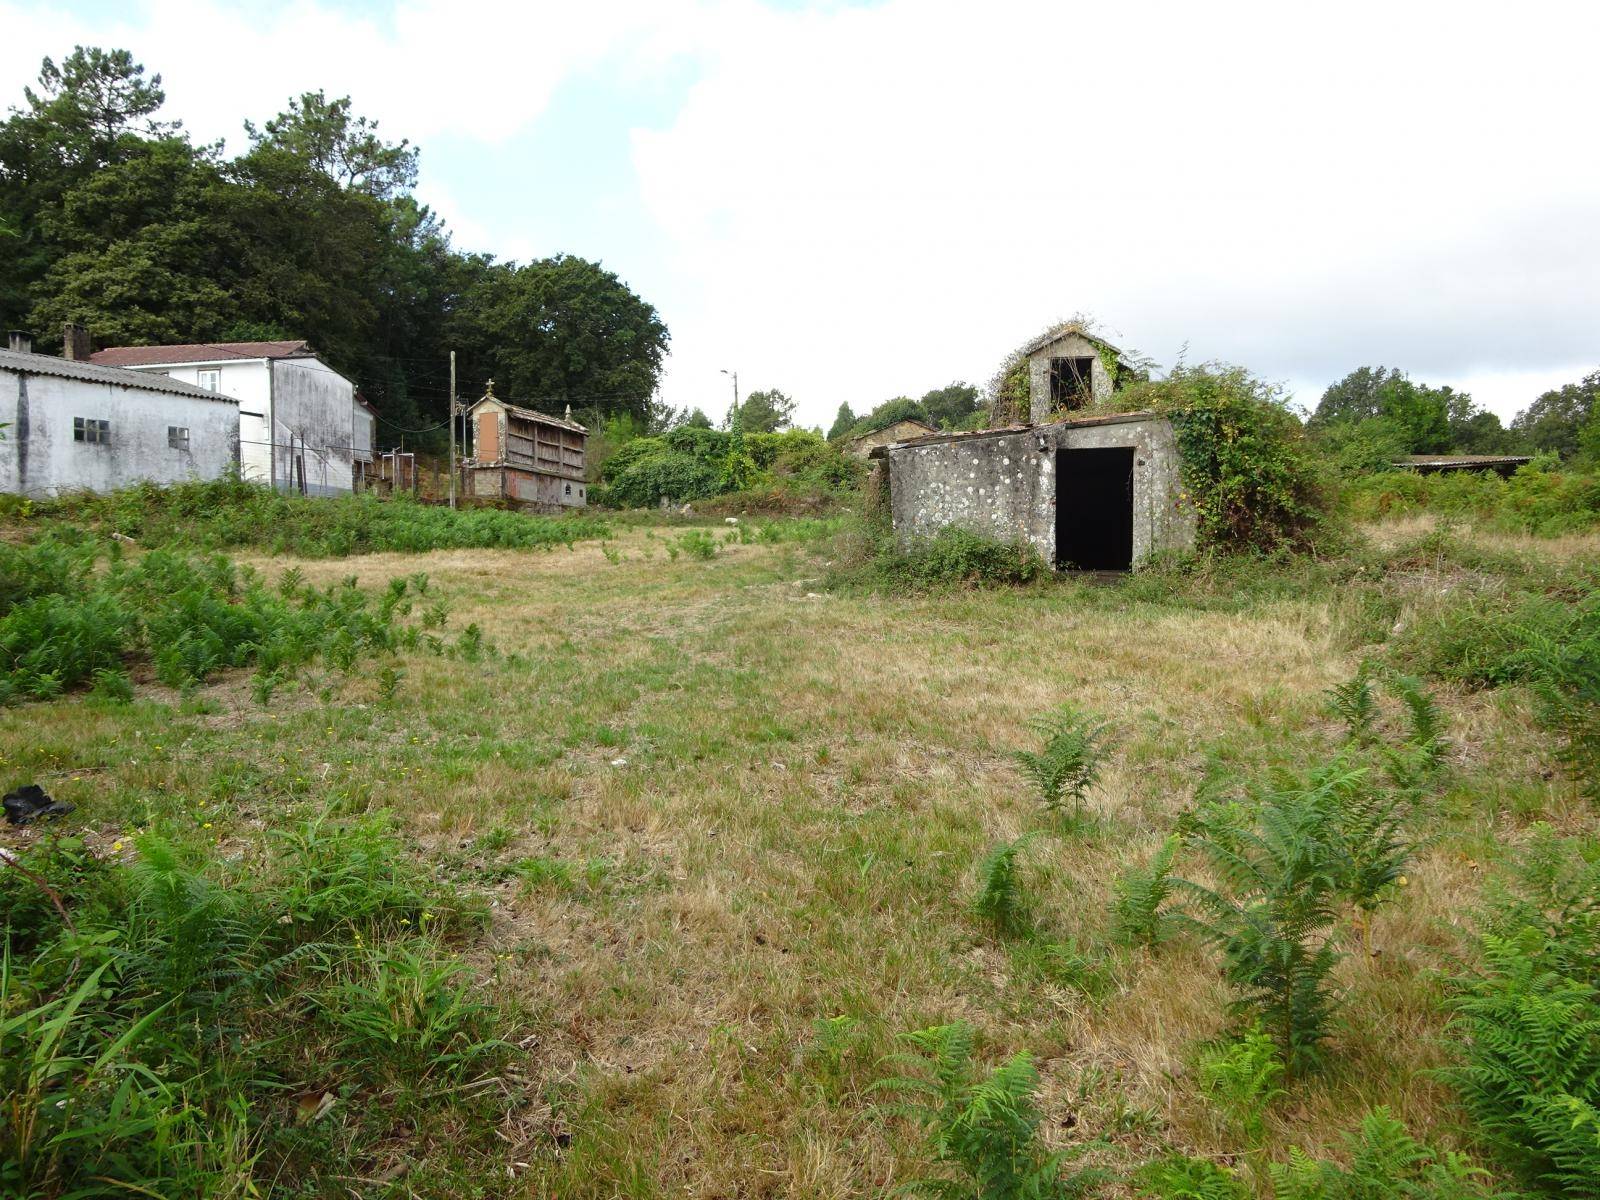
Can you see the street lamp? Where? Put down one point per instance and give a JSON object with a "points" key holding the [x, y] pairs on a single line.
{"points": [[733, 413]]}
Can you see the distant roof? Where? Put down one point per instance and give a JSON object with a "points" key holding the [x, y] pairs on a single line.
{"points": [[529, 414], [1462, 462], [90, 372], [158, 356], [891, 424]]}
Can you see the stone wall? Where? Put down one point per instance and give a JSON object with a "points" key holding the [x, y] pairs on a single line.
{"points": [[1003, 484]]}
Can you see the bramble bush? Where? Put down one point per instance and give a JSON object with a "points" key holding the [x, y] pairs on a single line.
{"points": [[1252, 480]]}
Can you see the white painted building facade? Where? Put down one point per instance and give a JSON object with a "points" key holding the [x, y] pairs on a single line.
{"points": [[74, 426], [298, 417]]}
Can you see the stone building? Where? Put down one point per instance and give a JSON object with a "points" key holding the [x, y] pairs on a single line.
{"points": [[1070, 368], [1094, 493], [862, 445]]}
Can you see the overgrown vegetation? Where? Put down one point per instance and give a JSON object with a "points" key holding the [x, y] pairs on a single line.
{"points": [[64, 621], [690, 463], [231, 514], [1539, 498], [1250, 478], [193, 1026], [872, 559]]}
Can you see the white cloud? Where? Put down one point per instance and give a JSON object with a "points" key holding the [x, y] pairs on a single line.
{"points": [[856, 202], [875, 201]]}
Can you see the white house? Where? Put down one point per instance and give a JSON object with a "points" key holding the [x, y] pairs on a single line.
{"points": [[78, 425], [297, 415]]}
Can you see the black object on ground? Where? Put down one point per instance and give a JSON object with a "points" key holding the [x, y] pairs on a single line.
{"points": [[29, 802]]}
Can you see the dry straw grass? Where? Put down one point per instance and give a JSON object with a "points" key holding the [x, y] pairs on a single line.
{"points": [[787, 796]]}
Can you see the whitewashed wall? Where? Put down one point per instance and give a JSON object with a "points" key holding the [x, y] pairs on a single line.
{"points": [[250, 383], [39, 456]]}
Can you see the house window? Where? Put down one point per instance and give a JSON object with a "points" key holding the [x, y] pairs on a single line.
{"points": [[210, 380], [91, 431], [177, 437], [1071, 382]]}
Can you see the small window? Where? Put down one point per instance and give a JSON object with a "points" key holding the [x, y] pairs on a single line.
{"points": [[569, 489], [91, 431], [210, 380], [177, 437]]}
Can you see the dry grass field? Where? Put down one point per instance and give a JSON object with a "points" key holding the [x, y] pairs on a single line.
{"points": [[729, 821]]}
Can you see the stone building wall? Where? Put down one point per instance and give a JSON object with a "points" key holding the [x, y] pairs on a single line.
{"points": [[1002, 484]]}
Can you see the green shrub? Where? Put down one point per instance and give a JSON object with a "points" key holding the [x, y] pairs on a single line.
{"points": [[1273, 915], [1538, 499], [1528, 1022], [697, 543], [952, 558], [188, 618], [1253, 482], [1386, 1163], [1179, 1177], [1241, 1073]]}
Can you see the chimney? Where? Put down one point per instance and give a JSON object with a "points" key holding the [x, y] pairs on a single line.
{"points": [[75, 343], [21, 341]]}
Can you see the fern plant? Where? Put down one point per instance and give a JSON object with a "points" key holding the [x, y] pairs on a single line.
{"points": [[1530, 1074], [1356, 704], [1001, 900], [1180, 1177], [1242, 1075], [1067, 763], [1273, 915], [1386, 1163], [982, 1130], [1371, 826], [1141, 892]]}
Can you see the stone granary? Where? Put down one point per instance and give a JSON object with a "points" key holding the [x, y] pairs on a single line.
{"points": [[1095, 493], [1070, 368], [526, 458]]}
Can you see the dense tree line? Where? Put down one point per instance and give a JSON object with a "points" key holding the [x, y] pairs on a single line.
{"points": [[1380, 414], [113, 217]]}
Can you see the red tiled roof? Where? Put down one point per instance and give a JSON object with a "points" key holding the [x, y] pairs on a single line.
{"points": [[152, 356]]}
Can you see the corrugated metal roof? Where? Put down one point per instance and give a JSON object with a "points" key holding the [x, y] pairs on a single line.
{"points": [[89, 372], [159, 356], [1463, 460]]}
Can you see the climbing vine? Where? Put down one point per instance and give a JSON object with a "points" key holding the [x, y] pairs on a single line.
{"points": [[1247, 474]]}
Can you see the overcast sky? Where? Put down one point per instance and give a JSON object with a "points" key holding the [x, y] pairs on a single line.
{"points": [[857, 201]]}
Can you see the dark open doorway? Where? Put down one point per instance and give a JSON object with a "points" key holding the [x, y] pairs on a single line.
{"points": [[1094, 509]]}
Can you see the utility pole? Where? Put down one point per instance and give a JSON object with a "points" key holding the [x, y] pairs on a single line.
{"points": [[452, 429], [733, 413]]}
